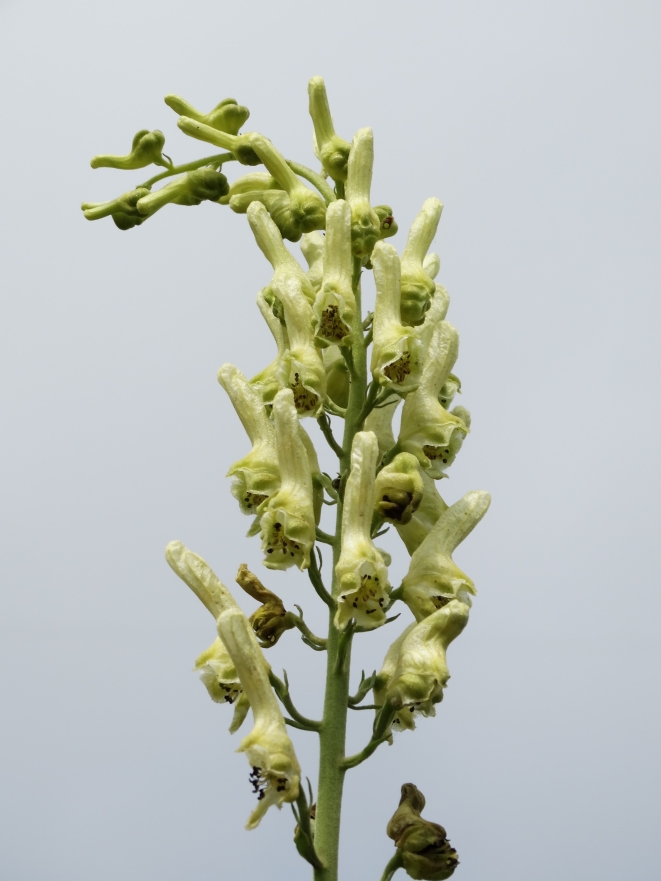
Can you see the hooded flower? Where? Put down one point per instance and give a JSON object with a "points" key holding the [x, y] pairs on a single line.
{"points": [[421, 671], [417, 286], [434, 579], [256, 477], [397, 352], [399, 489], [308, 209], [228, 116], [275, 770], [270, 242], [266, 382], [335, 304], [424, 847], [361, 572], [146, 149], [429, 510], [365, 222], [403, 719], [301, 368], [433, 435], [287, 518], [312, 247], [331, 150], [187, 189], [239, 145]]}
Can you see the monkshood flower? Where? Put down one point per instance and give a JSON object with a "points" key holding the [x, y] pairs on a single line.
{"points": [[404, 718], [433, 435], [421, 672], [266, 381], [123, 209], [424, 847], [418, 287], [270, 243], [361, 572], [338, 378], [228, 116], [429, 510], [189, 189], [146, 149], [434, 579], [397, 351], [365, 222], [312, 248], [399, 489], [275, 773], [278, 205], [308, 209], [380, 422], [256, 477], [302, 367], [239, 145], [287, 518], [331, 150], [275, 770], [335, 304]]}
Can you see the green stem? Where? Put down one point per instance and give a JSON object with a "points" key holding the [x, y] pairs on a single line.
{"points": [[218, 159], [333, 732], [282, 690], [394, 864], [315, 179]]}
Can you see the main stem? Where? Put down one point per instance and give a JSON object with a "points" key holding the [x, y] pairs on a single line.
{"points": [[334, 725]]}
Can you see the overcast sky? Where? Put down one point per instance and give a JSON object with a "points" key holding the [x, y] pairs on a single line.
{"points": [[537, 125]]}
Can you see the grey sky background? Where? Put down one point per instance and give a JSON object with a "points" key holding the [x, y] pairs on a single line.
{"points": [[537, 125]]}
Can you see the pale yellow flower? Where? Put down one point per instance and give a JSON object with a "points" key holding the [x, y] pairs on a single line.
{"points": [[335, 304], [330, 149], [417, 285], [266, 381], [365, 222]]}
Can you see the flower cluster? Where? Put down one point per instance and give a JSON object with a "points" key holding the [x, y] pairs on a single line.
{"points": [[387, 471]]}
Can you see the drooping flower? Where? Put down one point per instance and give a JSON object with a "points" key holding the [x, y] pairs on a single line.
{"points": [[331, 150], [417, 286], [404, 718], [270, 242], [421, 671], [361, 572], [433, 435], [228, 116], [399, 489], [146, 149], [287, 518], [424, 847], [308, 209], [434, 579], [266, 381], [301, 368], [335, 303], [365, 222], [256, 477]]}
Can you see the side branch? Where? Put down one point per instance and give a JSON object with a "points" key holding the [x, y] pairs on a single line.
{"points": [[327, 431], [282, 690], [315, 179], [381, 734], [317, 582]]}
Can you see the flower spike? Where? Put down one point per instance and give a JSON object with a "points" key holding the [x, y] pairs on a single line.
{"points": [[433, 435], [361, 572], [335, 305], [365, 222], [417, 286], [287, 518], [256, 477], [331, 150], [434, 579]]}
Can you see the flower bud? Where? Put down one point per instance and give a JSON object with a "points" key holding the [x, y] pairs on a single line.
{"points": [[365, 222], [361, 571], [123, 209], [287, 519], [433, 435], [417, 286], [253, 182], [239, 145], [256, 477], [308, 209], [331, 150], [434, 579], [335, 303], [189, 189], [388, 224], [338, 378], [278, 205], [270, 621], [421, 671], [312, 247], [426, 853], [228, 116], [146, 149], [399, 489]]}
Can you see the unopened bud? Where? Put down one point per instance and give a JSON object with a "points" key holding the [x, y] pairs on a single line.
{"points": [[228, 116], [146, 149]]}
